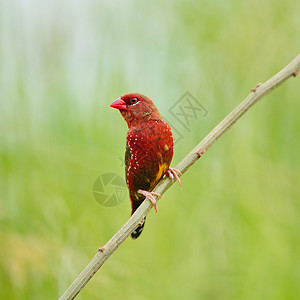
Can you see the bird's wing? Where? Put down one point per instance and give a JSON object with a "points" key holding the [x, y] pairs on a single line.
{"points": [[127, 159]]}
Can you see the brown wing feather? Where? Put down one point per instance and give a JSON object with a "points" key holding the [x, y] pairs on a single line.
{"points": [[127, 159]]}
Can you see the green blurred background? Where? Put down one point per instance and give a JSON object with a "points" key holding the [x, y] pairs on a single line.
{"points": [[233, 231]]}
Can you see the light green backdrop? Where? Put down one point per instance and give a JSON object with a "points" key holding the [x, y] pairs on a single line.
{"points": [[233, 232]]}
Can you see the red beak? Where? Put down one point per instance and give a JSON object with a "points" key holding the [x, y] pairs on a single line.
{"points": [[118, 104]]}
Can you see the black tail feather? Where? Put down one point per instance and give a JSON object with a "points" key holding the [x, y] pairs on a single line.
{"points": [[136, 233]]}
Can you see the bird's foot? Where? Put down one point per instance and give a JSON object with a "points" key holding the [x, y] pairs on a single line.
{"points": [[149, 196], [172, 172]]}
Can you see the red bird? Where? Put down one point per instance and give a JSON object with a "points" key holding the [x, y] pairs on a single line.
{"points": [[149, 149]]}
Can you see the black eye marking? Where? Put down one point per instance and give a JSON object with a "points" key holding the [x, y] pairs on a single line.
{"points": [[133, 100]]}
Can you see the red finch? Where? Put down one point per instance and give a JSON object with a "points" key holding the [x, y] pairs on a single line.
{"points": [[149, 149]]}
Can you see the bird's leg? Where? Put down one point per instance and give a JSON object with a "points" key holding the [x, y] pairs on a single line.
{"points": [[173, 172], [149, 196]]}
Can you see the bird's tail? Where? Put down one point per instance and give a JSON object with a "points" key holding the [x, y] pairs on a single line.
{"points": [[136, 233]]}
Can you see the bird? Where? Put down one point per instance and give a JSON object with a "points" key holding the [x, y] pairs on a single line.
{"points": [[149, 150]]}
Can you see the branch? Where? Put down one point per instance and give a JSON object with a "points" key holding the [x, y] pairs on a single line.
{"points": [[292, 69]]}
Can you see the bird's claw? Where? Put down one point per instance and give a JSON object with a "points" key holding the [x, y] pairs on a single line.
{"points": [[149, 196], [172, 172]]}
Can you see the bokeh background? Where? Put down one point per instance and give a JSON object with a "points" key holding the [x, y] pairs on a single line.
{"points": [[233, 231]]}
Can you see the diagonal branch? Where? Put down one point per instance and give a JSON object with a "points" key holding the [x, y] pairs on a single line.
{"points": [[292, 69]]}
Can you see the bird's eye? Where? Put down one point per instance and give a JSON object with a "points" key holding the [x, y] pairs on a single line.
{"points": [[133, 100]]}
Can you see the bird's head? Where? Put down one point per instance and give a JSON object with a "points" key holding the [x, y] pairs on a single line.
{"points": [[136, 108]]}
